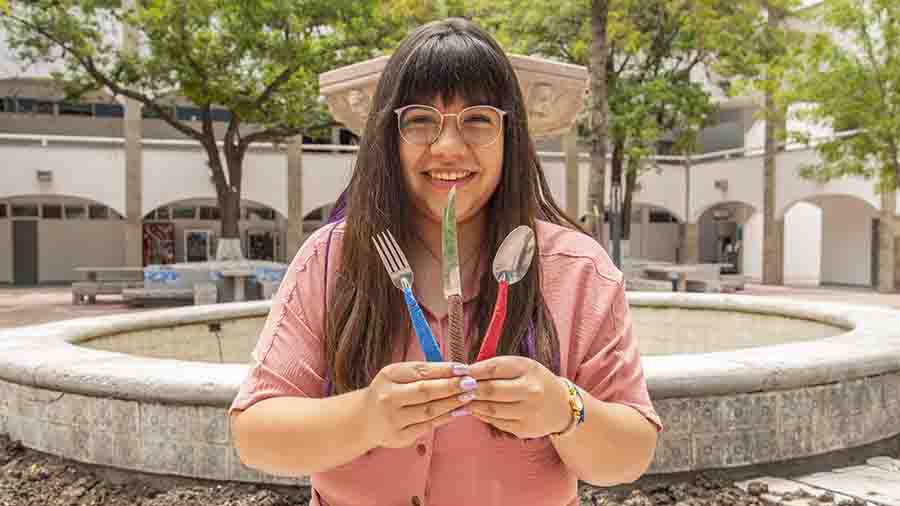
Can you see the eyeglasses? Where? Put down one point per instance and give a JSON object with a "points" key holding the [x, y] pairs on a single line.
{"points": [[479, 125]]}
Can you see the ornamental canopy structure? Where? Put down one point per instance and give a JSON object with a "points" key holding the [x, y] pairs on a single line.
{"points": [[554, 92]]}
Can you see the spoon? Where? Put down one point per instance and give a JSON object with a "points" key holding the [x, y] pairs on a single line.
{"points": [[510, 265]]}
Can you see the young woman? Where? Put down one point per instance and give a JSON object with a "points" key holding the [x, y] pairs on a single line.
{"points": [[340, 389]]}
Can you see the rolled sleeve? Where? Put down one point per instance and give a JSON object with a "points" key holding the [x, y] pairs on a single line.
{"points": [[288, 359], [611, 367]]}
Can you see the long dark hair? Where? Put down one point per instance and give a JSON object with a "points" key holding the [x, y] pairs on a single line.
{"points": [[450, 59]]}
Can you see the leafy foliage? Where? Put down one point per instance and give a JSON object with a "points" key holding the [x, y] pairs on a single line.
{"points": [[850, 80], [257, 59]]}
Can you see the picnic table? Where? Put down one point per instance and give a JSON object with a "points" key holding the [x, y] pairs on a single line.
{"points": [[707, 274], [235, 280], [105, 281]]}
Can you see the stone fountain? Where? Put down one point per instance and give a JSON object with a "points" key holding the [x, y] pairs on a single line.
{"points": [[554, 92]]}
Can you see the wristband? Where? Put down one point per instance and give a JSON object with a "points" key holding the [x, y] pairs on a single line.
{"points": [[576, 407]]}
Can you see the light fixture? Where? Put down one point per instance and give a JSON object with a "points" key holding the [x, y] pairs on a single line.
{"points": [[721, 184], [44, 176]]}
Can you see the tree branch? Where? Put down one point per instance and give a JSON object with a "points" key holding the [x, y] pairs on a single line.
{"points": [[90, 66]]}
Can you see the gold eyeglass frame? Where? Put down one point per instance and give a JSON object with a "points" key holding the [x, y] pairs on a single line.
{"points": [[399, 111]]}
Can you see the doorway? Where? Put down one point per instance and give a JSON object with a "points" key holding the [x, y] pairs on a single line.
{"points": [[25, 252]]}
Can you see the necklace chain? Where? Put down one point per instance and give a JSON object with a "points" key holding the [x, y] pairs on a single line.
{"points": [[465, 262]]}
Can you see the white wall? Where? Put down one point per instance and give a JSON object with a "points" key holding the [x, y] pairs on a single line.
{"points": [[6, 251], [803, 245], [751, 259], [745, 184], [846, 241], [64, 245], [792, 188], [657, 242], [95, 172]]}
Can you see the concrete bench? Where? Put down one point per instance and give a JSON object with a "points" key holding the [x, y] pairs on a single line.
{"points": [[87, 291], [647, 285], [141, 296], [733, 282]]}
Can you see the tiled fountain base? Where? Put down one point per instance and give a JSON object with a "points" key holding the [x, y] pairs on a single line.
{"points": [[729, 408]]}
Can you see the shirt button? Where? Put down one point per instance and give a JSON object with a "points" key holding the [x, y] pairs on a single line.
{"points": [[422, 449], [415, 501]]}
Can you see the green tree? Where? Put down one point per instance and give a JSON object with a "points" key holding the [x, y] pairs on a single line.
{"points": [[755, 52], [257, 59], [652, 47], [849, 79]]}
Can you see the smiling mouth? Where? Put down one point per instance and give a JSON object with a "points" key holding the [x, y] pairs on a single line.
{"points": [[449, 175]]}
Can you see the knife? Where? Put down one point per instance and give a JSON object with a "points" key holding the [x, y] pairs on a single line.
{"points": [[451, 279]]}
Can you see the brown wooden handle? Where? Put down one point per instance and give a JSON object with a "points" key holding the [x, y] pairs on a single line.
{"points": [[455, 334]]}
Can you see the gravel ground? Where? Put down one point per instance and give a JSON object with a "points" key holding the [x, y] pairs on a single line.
{"points": [[30, 478]]}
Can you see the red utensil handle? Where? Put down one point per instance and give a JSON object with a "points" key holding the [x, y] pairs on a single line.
{"points": [[495, 328]]}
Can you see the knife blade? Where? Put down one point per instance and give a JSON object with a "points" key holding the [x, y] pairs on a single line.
{"points": [[452, 282], [450, 249]]}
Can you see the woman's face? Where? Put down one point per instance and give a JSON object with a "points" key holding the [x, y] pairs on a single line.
{"points": [[430, 171]]}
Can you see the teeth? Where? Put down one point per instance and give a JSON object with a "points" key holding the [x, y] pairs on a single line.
{"points": [[450, 175]]}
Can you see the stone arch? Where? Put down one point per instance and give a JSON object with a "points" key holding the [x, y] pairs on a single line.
{"points": [[822, 198], [67, 204], [721, 234], [834, 242], [262, 230]]}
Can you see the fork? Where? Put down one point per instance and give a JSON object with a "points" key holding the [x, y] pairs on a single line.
{"points": [[402, 276]]}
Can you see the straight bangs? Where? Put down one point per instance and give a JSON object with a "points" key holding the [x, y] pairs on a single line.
{"points": [[453, 65]]}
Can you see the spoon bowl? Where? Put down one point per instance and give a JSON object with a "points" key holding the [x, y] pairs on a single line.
{"points": [[513, 258]]}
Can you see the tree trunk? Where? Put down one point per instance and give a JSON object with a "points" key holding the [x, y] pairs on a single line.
{"points": [[630, 181], [772, 249], [230, 199], [599, 112], [615, 167]]}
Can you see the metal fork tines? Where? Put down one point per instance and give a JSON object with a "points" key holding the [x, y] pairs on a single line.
{"points": [[402, 276], [393, 259]]}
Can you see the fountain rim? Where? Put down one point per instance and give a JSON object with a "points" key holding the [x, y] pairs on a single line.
{"points": [[48, 356]]}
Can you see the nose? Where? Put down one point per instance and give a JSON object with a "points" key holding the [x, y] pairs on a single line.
{"points": [[450, 142]]}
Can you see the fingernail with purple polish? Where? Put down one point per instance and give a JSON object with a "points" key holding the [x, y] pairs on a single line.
{"points": [[468, 383], [460, 412], [460, 369]]}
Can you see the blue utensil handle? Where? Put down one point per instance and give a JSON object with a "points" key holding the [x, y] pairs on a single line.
{"points": [[423, 331]]}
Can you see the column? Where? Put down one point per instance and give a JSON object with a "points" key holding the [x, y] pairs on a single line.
{"points": [[570, 146], [134, 168], [887, 242], [294, 197], [690, 243], [773, 257]]}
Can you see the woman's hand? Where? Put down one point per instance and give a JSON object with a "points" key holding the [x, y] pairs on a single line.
{"points": [[408, 399], [520, 396]]}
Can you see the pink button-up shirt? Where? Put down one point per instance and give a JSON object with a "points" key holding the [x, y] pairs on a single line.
{"points": [[459, 463]]}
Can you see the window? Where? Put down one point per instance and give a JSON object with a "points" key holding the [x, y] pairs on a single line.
{"points": [[162, 213], [52, 212], [35, 106], [662, 217], [75, 109], [260, 213], [97, 212], [183, 213], [221, 115], [25, 211], [6, 105], [151, 216], [2, 210], [108, 110], [209, 213], [188, 113], [151, 114], [74, 212]]}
